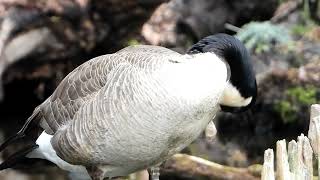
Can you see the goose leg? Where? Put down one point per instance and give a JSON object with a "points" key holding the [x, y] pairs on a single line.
{"points": [[154, 173], [95, 173]]}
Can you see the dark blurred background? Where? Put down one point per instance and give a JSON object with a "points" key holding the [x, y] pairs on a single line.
{"points": [[42, 41]]}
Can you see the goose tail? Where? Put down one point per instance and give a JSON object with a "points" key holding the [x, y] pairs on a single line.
{"points": [[17, 157], [20, 155], [31, 122]]}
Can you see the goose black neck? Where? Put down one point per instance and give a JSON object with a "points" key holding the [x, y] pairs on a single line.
{"points": [[231, 50], [225, 46]]}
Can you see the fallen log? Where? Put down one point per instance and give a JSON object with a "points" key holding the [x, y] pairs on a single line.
{"points": [[191, 166]]}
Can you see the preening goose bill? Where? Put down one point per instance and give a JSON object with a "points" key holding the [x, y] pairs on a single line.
{"points": [[123, 112]]}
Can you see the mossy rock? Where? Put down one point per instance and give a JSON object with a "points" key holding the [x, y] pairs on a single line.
{"points": [[261, 36], [294, 98]]}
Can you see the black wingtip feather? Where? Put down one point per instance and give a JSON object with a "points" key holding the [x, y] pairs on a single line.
{"points": [[17, 157], [34, 118], [10, 140], [20, 156]]}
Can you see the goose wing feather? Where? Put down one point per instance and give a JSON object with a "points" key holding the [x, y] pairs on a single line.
{"points": [[83, 83]]}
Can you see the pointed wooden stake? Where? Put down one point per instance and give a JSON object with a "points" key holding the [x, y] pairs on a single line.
{"points": [[268, 165], [283, 172], [314, 131]]}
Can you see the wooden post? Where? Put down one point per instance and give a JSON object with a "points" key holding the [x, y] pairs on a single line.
{"points": [[268, 165], [283, 172], [304, 158], [314, 131], [293, 158], [296, 163]]}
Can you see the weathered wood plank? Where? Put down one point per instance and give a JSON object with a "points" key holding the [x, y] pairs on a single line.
{"points": [[305, 158], [283, 172], [296, 163], [268, 165], [314, 131], [293, 158]]}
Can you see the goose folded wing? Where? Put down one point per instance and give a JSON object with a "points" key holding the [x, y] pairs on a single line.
{"points": [[84, 82]]}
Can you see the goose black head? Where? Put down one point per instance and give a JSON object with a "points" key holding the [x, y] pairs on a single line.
{"points": [[241, 91]]}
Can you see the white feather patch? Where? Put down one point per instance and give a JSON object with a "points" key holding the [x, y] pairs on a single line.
{"points": [[46, 151], [232, 97]]}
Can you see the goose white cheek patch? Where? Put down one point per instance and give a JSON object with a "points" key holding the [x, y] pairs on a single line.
{"points": [[232, 97]]}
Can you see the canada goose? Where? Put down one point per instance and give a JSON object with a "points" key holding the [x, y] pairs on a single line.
{"points": [[123, 112]]}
